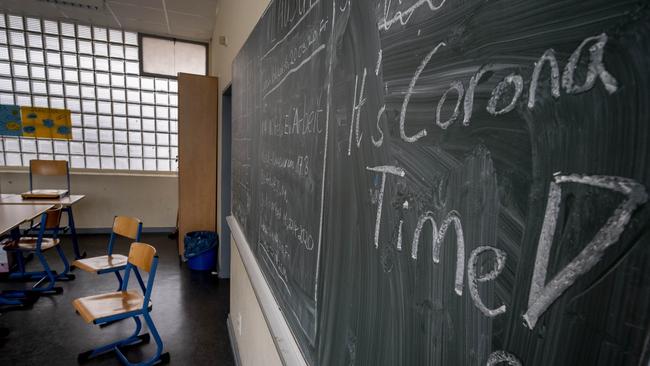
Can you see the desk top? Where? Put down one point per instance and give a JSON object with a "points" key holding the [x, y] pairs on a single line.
{"points": [[16, 199], [14, 215]]}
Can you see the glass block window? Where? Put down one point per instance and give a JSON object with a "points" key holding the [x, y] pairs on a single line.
{"points": [[167, 57], [121, 119]]}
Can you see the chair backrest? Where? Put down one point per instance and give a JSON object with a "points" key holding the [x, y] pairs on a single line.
{"points": [[129, 227], [52, 218], [48, 168], [50, 221], [142, 256]]}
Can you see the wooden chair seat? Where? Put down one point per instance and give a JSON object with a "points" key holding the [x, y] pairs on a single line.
{"points": [[104, 262], [96, 307], [28, 243]]}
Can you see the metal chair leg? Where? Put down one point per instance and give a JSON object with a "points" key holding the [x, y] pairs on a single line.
{"points": [[73, 235], [49, 276], [132, 340], [65, 275], [119, 280], [158, 357]]}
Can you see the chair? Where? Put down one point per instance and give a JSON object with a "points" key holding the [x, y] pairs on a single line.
{"points": [[49, 225], [48, 168], [123, 304], [58, 168], [125, 226]]}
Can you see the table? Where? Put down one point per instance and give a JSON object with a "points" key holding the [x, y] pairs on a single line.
{"points": [[11, 216], [16, 199], [66, 201]]}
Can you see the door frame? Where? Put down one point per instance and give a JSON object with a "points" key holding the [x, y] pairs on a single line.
{"points": [[225, 181]]}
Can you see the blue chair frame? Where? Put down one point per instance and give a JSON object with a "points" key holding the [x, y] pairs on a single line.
{"points": [[116, 270], [16, 300], [12, 299], [135, 338], [48, 273]]}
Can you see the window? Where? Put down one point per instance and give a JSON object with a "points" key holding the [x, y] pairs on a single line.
{"points": [[121, 119], [168, 57]]}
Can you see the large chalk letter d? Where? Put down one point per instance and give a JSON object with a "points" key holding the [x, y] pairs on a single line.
{"points": [[542, 295]]}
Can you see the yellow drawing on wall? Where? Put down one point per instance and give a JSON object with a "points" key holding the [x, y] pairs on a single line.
{"points": [[46, 123]]}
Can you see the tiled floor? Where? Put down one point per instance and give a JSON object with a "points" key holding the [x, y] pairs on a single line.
{"points": [[189, 310]]}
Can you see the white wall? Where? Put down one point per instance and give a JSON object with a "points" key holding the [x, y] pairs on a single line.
{"points": [[153, 199], [235, 20], [254, 340]]}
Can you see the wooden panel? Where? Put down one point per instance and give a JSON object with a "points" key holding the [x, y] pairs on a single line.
{"points": [[197, 151], [126, 226], [53, 219], [48, 167], [112, 303], [96, 264], [141, 255]]}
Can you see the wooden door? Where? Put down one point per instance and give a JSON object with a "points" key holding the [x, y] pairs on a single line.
{"points": [[197, 154]]}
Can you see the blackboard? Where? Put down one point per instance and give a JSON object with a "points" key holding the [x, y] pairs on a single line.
{"points": [[435, 182]]}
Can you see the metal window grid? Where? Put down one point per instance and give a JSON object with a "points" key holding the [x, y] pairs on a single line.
{"points": [[60, 44]]}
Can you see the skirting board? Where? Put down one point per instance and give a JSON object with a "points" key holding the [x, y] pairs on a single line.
{"points": [[285, 343], [233, 341]]}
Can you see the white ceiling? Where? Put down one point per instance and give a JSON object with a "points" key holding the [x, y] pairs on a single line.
{"points": [[184, 19]]}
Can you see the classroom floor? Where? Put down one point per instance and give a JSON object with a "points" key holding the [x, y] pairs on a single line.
{"points": [[189, 310]]}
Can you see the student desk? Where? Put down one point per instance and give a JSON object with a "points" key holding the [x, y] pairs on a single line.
{"points": [[66, 201], [11, 216]]}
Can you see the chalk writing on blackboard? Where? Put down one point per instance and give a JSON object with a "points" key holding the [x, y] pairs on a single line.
{"points": [[547, 57], [595, 70], [469, 111], [542, 294], [473, 279], [409, 92], [460, 91], [386, 169], [359, 101], [436, 241], [379, 141], [498, 357], [403, 16], [378, 67]]}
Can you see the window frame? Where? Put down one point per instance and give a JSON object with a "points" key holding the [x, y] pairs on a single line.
{"points": [[150, 74]]}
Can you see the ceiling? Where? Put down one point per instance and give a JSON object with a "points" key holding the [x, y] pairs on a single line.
{"points": [[184, 19]]}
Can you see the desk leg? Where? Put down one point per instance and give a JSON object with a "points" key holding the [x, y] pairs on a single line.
{"points": [[73, 234], [18, 255]]}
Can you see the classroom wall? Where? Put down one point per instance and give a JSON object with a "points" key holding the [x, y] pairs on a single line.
{"points": [[253, 337], [235, 20], [154, 199]]}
